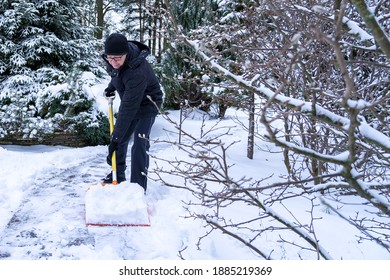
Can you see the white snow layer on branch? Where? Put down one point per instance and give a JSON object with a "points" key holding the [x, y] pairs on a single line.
{"points": [[376, 199], [301, 232]]}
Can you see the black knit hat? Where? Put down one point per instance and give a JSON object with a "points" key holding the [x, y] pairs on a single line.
{"points": [[116, 44]]}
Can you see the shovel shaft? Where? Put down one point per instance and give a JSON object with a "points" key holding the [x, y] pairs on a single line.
{"points": [[113, 159]]}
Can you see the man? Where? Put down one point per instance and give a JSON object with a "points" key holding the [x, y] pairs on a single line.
{"points": [[136, 83]]}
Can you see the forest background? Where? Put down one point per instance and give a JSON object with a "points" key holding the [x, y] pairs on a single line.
{"points": [[314, 74]]}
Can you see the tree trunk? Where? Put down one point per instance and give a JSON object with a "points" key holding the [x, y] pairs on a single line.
{"points": [[141, 21], [251, 128], [99, 20]]}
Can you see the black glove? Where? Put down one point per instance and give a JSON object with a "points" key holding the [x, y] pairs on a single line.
{"points": [[108, 93], [112, 148]]}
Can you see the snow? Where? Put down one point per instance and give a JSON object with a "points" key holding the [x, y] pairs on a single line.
{"points": [[46, 191], [122, 204]]}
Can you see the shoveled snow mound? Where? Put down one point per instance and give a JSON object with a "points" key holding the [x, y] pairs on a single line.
{"points": [[116, 205]]}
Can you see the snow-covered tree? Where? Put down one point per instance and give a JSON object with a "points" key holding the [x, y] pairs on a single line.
{"points": [[42, 44], [182, 79]]}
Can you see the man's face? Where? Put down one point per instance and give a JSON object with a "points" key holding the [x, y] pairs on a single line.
{"points": [[116, 61]]}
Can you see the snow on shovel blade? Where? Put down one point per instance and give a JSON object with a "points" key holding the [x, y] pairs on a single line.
{"points": [[116, 205]]}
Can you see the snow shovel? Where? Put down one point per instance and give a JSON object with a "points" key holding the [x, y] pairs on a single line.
{"points": [[116, 204]]}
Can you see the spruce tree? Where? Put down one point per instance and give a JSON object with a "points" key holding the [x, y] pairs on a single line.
{"points": [[45, 52], [182, 79]]}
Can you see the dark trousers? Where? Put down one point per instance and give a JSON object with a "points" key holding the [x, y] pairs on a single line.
{"points": [[140, 129]]}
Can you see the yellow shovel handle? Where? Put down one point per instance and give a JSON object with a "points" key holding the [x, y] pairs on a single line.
{"points": [[113, 159]]}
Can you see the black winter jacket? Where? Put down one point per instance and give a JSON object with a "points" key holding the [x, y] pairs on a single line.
{"points": [[134, 81]]}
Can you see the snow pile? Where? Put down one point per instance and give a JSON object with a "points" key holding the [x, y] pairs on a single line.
{"points": [[117, 205]]}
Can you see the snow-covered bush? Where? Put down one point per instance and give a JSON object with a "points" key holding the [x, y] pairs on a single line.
{"points": [[321, 82]]}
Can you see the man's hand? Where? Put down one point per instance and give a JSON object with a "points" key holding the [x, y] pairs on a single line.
{"points": [[108, 93], [112, 148]]}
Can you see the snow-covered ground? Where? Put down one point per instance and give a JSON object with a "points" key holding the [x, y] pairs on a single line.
{"points": [[42, 203]]}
